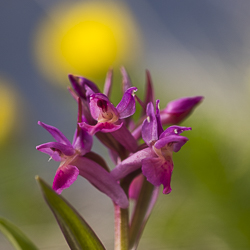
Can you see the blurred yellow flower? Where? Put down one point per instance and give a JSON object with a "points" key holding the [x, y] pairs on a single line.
{"points": [[7, 110], [86, 38]]}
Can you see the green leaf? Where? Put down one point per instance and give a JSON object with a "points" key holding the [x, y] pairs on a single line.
{"points": [[17, 238], [77, 232]]}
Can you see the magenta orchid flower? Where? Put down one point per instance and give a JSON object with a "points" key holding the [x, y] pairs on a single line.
{"points": [[107, 116], [101, 117], [74, 163], [155, 160]]}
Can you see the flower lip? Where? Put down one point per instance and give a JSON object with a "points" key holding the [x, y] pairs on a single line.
{"points": [[65, 176], [105, 127]]}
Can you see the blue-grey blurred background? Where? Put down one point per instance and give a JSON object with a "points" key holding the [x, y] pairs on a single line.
{"points": [[192, 47]]}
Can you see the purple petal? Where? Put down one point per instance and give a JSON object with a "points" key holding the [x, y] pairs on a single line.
{"points": [[64, 178], [149, 97], [83, 141], [56, 133], [100, 105], [55, 155], [149, 129], [183, 104], [98, 159], [174, 130], [105, 127], [95, 101], [177, 110], [158, 118], [177, 142], [126, 107], [86, 113], [90, 84], [126, 83], [157, 171], [108, 83], [102, 180], [56, 150], [89, 92], [132, 163], [78, 86], [79, 83]]}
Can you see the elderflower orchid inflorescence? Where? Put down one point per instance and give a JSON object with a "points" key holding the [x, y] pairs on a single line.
{"points": [[97, 115], [141, 150]]}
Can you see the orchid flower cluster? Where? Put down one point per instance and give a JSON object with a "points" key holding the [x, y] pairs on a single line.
{"points": [[141, 150]]}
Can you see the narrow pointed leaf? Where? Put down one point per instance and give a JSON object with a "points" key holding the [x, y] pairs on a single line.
{"points": [[16, 237], [77, 232]]}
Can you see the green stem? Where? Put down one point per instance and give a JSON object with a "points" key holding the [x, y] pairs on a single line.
{"points": [[142, 210], [122, 217], [121, 228]]}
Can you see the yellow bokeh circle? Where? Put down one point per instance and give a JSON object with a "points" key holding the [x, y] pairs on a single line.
{"points": [[7, 110], [86, 38]]}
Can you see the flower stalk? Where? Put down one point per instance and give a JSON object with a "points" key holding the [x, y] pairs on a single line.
{"points": [[121, 228]]}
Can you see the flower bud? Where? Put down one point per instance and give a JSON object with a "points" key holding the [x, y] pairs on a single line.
{"points": [[176, 111]]}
